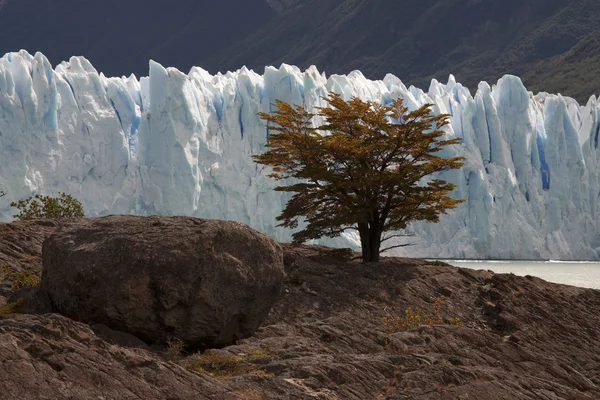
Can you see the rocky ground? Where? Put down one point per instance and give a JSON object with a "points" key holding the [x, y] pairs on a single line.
{"points": [[491, 336]]}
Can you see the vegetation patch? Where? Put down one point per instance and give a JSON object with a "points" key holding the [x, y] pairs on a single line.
{"points": [[219, 365], [12, 308], [222, 366], [416, 316], [175, 347], [19, 279], [39, 206], [261, 354]]}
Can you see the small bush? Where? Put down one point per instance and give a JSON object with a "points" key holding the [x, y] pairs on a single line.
{"points": [[416, 316], [219, 365], [19, 279], [175, 347], [12, 308], [40, 206]]}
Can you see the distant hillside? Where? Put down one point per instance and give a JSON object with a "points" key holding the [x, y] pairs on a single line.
{"points": [[120, 36], [554, 45], [282, 5]]}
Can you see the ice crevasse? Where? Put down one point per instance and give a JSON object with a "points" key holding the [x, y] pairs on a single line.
{"points": [[181, 144]]}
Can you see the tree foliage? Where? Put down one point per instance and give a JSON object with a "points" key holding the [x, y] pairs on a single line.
{"points": [[40, 206], [362, 169]]}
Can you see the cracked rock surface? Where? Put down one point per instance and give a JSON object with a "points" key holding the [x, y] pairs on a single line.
{"points": [[500, 337], [52, 357]]}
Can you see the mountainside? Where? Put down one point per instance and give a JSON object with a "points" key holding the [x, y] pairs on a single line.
{"points": [[119, 37], [178, 144], [554, 45]]}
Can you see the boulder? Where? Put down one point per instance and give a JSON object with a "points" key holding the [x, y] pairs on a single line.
{"points": [[206, 282], [119, 338], [33, 301]]}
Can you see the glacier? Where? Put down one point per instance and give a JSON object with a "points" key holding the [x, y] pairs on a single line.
{"points": [[181, 144]]}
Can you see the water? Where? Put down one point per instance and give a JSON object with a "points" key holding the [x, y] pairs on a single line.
{"points": [[576, 273]]}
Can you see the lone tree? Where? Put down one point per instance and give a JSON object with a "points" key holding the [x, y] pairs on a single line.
{"points": [[362, 169]]}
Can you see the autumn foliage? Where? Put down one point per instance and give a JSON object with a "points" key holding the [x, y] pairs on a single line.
{"points": [[361, 169]]}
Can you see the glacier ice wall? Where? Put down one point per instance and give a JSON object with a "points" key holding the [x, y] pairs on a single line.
{"points": [[173, 143]]}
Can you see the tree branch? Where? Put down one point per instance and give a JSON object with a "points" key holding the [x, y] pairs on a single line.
{"points": [[396, 246], [397, 235]]}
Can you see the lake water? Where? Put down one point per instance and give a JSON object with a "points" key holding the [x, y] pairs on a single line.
{"points": [[576, 273]]}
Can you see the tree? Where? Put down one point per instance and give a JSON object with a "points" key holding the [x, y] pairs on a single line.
{"points": [[362, 169], [39, 206]]}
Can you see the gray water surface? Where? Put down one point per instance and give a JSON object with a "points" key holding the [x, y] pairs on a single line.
{"points": [[576, 273]]}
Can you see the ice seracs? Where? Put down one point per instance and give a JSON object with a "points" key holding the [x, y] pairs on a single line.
{"points": [[175, 143]]}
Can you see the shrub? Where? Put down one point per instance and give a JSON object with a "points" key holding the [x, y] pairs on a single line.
{"points": [[219, 365], [175, 347], [12, 308], [39, 206], [222, 366], [20, 279], [416, 316]]}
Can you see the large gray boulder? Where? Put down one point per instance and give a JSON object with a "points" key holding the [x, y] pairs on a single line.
{"points": [[207, 282]]}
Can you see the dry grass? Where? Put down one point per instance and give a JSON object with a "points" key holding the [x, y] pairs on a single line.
{"points": [[219, 365], [416, 316], [222, 366]]}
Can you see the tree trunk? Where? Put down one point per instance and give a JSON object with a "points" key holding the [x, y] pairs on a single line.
{"points": [[375, 239], [370, 240], [363, 231]]}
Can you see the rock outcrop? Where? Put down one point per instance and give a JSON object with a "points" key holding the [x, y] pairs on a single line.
{"points": [[54, 358], [522, 338], [206, 282], [499, 337], [21, 248]]}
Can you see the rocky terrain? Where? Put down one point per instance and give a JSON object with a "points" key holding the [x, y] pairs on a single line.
{"points": [[401, 329]]}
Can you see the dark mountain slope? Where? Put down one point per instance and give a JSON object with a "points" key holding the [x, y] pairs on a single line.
{"points": [[547, 42], [119, 37], [554, 45]]}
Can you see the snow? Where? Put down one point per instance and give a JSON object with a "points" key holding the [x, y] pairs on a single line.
{"points": [[175, 143]]}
